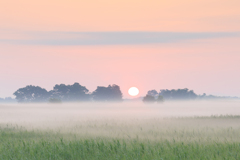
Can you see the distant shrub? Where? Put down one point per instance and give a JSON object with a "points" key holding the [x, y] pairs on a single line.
{"points": [[160, 99], [54, 100], [149, 99]]}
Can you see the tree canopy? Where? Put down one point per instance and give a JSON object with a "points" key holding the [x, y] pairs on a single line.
{"points": [[74, 92], [110, 93], [31, 94], [153, 93]]}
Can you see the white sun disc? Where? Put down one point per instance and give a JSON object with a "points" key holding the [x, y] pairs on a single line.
{"points": [[133, 91]]}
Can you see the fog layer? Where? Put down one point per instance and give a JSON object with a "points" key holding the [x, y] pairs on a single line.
{"points": [[46, 114], [170, 120]]}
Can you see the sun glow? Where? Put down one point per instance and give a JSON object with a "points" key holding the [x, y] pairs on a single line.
{"points": [[133, 91]]}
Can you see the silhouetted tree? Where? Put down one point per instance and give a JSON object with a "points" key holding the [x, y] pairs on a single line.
{"points": [[110, 93], [31, 94], [74, 92], [149, 99], [153, 93]]}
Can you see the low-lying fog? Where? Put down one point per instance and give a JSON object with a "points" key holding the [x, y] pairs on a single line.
{"points": [[128, 120], [34, 113]]}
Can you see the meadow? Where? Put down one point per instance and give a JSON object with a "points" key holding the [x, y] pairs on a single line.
{"points": [[173, 130]]}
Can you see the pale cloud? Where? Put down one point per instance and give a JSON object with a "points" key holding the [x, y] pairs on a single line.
{"points": [[111, 38]]}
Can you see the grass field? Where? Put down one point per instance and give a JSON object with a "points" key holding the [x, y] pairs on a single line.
{"points": [[118, 137]]}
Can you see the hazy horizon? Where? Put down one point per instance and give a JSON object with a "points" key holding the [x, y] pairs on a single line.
{"points": [[147, 44]]}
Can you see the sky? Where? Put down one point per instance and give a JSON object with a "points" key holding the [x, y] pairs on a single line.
{"points": [[154, 44]]}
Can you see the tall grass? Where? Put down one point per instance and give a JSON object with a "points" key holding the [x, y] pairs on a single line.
{"points": [[33, 145], [216, 137]]}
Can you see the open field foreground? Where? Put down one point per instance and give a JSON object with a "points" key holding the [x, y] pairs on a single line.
{"points": [[172, 130]]}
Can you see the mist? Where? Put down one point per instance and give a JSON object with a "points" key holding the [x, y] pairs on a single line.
{"points": [[45, 115], [40, 112]]}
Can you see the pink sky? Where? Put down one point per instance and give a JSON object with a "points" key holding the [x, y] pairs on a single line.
{"points": [[44, 43], [121, 15]]}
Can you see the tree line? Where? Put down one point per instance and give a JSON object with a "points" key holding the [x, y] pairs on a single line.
{"points": [[7, 100], [178, 94], [68, 93], [111, 93]]}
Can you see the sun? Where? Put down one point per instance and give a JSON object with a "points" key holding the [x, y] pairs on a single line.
{"points": [[133, 91]]}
